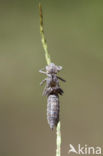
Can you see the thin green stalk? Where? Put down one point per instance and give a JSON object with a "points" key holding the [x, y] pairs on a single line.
{"points": [[48, 60], [43, 39], [58, 140]]}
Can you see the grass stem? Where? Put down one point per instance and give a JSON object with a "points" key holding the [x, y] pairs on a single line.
{"points": [[48, 60]]}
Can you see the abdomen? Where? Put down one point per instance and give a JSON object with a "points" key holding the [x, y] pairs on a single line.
{"points": [[53, 110]]}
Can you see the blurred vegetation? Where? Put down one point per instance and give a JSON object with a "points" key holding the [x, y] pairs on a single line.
{"points": [[74, 31]]}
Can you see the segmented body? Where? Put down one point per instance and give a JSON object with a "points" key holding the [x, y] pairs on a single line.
{"points": [[53, 108], [52, 90]]}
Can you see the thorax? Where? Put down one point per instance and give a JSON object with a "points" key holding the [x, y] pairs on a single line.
{"points": [[52, 80]]}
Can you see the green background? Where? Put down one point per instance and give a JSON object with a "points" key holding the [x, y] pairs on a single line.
{"points": [[74, 31]]}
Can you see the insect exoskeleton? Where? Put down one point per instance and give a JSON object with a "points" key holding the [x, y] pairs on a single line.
{"points": [[52, 90], [53, 108], [52, 68]]}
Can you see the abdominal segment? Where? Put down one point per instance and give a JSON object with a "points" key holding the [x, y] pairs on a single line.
{"points": [[53, 108]]}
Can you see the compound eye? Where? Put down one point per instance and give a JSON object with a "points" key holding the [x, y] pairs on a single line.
{"points": [[48, 69], [59, 68]]}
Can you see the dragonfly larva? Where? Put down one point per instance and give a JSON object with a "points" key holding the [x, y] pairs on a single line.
{"points": [[52, 91]]}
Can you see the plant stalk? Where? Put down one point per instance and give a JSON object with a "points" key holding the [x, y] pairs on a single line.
{"points": [[48, 60]]}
